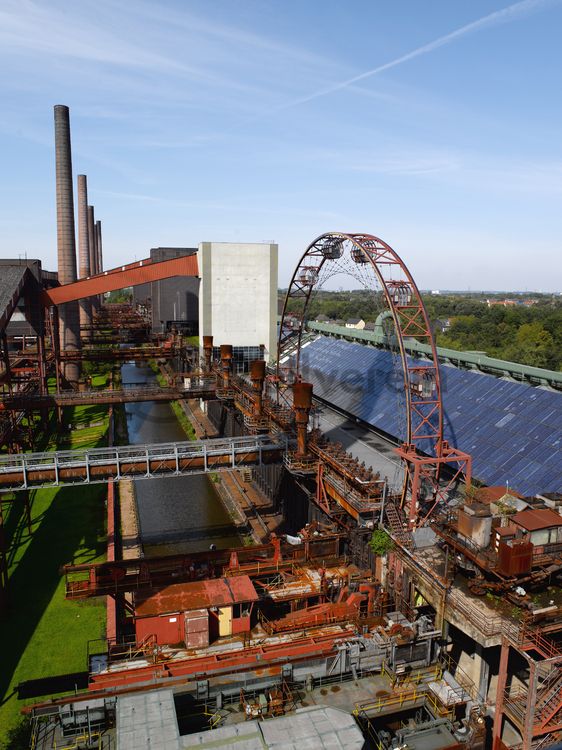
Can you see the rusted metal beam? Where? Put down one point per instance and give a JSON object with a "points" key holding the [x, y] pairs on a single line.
{"points": [[140, 272], [31, 401]]}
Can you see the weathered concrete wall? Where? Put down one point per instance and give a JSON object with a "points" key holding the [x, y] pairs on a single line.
{"points": [[238, 294]]}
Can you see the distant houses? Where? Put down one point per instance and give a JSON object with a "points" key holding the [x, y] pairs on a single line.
{"points": [[441, 325], [357, 323], [511, 302]]}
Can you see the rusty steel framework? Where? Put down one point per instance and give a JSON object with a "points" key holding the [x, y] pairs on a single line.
{"points": [[534, 706], [372, 261]]}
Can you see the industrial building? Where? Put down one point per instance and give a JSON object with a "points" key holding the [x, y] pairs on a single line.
{"points": [[512, 430], [234, 297], [421, 614], [238, 297], [171, 303]]}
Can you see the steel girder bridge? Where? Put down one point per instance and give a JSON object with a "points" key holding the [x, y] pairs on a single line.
{"points": [[202, 388], [27, 471]]}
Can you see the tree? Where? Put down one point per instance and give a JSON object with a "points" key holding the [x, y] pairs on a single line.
{"points": [[380, 542], [533, 346]]}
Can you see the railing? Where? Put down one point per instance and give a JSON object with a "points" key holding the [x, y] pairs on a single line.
{"points": [[78, 741], [199, 387], [52, 469], [488, 626], [396, 700]]}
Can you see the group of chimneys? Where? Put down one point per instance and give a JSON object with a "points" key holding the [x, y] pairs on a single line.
{"points": [[73, 315]]}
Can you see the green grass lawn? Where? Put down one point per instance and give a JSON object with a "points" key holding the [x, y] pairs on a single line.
{"points": [[43, 634], [184, 422]]}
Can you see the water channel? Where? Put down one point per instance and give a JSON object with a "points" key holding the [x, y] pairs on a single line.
{"points": [[176, 514]]}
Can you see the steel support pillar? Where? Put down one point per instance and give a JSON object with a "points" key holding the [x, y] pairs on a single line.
{"points": [[500, 696], [3, 566], [531, 704], [6, 358], [27, 509]]}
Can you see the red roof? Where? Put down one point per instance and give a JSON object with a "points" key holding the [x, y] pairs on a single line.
{"points": [[508, 530], [183, 597], [533, 520]]}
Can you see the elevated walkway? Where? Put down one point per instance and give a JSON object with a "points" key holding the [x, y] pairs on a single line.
{"points": [[31, 470], [140, 272], [204, 389]]}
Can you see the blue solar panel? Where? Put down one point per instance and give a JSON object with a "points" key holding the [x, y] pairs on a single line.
{"points": [[512, 430]]}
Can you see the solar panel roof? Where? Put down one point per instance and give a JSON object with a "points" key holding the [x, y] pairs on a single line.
{"points": [[513, 430]]}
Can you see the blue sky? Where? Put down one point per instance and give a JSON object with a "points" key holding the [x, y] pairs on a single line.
{"points": [[435, 125]]}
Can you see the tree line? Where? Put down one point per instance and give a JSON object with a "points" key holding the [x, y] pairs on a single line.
{"points": [[528, 334]]}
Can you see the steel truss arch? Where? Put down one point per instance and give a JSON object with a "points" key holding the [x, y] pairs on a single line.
{"points": [[422, 382]]}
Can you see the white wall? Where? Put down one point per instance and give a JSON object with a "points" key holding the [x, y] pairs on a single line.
{"points": [[238, 294]]}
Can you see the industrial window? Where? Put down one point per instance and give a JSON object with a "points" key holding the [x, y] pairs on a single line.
{"points": [[241, 610], [242, 356]]}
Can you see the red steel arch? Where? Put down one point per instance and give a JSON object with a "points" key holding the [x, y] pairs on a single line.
{"points": [[424, 450]]}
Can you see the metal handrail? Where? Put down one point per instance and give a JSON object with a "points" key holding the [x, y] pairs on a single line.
{"points": [[147, 460]]}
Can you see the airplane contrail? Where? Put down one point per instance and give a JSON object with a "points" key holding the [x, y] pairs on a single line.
{"points": [[504, 15]]}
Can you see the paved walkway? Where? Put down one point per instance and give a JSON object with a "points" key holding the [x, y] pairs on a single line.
{"points": [[130, 536]]}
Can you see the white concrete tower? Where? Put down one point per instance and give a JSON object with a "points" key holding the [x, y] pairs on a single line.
{"points": [[238, 294]]}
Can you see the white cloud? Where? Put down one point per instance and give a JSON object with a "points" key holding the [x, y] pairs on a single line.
{"points": [[505, 15]]}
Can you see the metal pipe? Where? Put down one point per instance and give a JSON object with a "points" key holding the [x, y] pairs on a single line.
{"points": [[207, 353], [66, 242], [226, 363], [257, 376], [302, 404]]}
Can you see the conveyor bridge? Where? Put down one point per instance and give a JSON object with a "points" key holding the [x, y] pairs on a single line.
{"points": [[56, 468], [21, 401]]}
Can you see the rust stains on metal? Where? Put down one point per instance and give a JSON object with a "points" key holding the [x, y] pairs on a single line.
{"points": [[139, 272], [183, 597], [534, 520]]}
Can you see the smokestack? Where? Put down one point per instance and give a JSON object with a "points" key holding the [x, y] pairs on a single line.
{"points": [[66, 243], [84, 251], [92, 241], [98, 238], [92, 249], [99, 253]]}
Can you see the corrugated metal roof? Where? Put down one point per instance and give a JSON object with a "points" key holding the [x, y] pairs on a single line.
{"points": [[182, 597], [509, 530], [147, 720], [533, 520], [314, 727], [523, 450], [11, 282]]}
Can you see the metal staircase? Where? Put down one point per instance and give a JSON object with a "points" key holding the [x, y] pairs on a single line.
{"points": [[549, 698], [397, 530]]}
